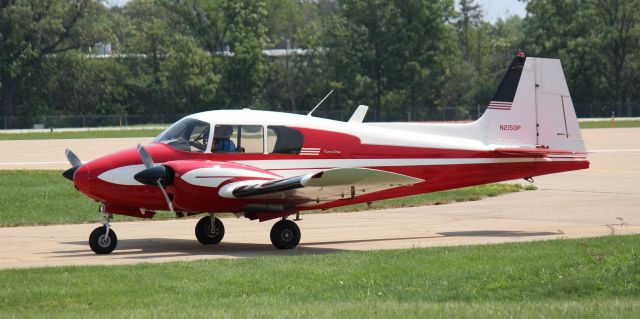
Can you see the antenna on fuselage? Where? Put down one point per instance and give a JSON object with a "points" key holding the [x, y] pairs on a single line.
{"points": [[320, 103]]}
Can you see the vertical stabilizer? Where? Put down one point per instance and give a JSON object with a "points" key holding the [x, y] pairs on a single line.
{"points": [[532, 108]]}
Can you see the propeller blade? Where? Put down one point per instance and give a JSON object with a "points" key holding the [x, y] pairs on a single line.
{"points": [[146, 158], [75, 164], [166, 196], [153, 175], [73, 158]]}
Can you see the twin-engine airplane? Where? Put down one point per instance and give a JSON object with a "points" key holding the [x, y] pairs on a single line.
{"points": [[267, 165]]}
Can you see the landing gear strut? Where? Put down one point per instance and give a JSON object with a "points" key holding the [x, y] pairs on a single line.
{"points": [[285, 234], [103, 240], [209, 230]]}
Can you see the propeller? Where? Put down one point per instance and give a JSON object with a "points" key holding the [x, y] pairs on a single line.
{"points": [[154, 175], [75, 164], [146, 158]]}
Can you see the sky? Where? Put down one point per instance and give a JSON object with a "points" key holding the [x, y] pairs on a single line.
{"points": [[111, 3], [493, 9]]}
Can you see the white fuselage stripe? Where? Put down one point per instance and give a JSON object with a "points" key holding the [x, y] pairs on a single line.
{"points": [[387, 162], [214, 176], [292, 168]]}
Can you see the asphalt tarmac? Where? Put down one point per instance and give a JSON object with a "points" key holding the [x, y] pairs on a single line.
{"points": [[600, 201]]}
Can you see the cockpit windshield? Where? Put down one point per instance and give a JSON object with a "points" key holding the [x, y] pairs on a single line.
{"points": [[188, 135]]}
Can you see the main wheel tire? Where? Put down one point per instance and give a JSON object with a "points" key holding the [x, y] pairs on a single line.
{"points": [[285, 234], [101, 244], [205, 234]]}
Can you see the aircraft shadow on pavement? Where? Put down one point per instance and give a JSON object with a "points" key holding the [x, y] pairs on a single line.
{"points": [[151, 248]]}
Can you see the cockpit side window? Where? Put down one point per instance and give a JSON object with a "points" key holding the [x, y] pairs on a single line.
{"points": [[189, 135], [284, 140], [223, 139], [247, 139]]}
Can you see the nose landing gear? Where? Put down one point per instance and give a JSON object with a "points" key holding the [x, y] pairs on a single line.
{"points": [[103, 240]]}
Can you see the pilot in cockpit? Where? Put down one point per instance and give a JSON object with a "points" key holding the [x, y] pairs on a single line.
{"points": [[221, 139]]}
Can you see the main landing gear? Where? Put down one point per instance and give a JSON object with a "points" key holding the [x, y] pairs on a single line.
{"points": [[285, 234], [103, 240]]}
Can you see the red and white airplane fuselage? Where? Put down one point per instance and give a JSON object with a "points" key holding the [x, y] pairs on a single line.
{"points": [[267, 165]]}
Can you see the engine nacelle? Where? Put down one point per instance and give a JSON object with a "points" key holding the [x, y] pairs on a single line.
{"points": [[192, 179]]}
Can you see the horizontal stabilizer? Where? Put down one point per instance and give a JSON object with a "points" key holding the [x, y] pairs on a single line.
{"points": [[537, 152]]}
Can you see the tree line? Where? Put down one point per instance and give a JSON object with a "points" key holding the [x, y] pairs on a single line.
{"points": [[405, 59]]}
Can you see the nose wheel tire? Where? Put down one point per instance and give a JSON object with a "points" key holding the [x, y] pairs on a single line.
{"points": [[208, 233], [285, 234], [101, 242]]}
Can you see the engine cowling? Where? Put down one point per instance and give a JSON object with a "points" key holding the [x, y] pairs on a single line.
{"points": [[195, 184]]}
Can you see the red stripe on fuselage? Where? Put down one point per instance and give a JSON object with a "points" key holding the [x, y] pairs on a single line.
{"points": [[458, 176], [437, 178], [205, 199]]}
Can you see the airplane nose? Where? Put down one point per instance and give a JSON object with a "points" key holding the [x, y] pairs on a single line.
{"points": [[81, 177]]}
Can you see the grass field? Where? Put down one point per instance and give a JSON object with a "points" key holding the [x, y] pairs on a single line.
{"points": [[586, 278], [155, 132], [41, 197], [609, 124], [81, 134]]}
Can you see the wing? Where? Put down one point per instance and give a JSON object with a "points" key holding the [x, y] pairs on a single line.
{"points": [[329, 185]]}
